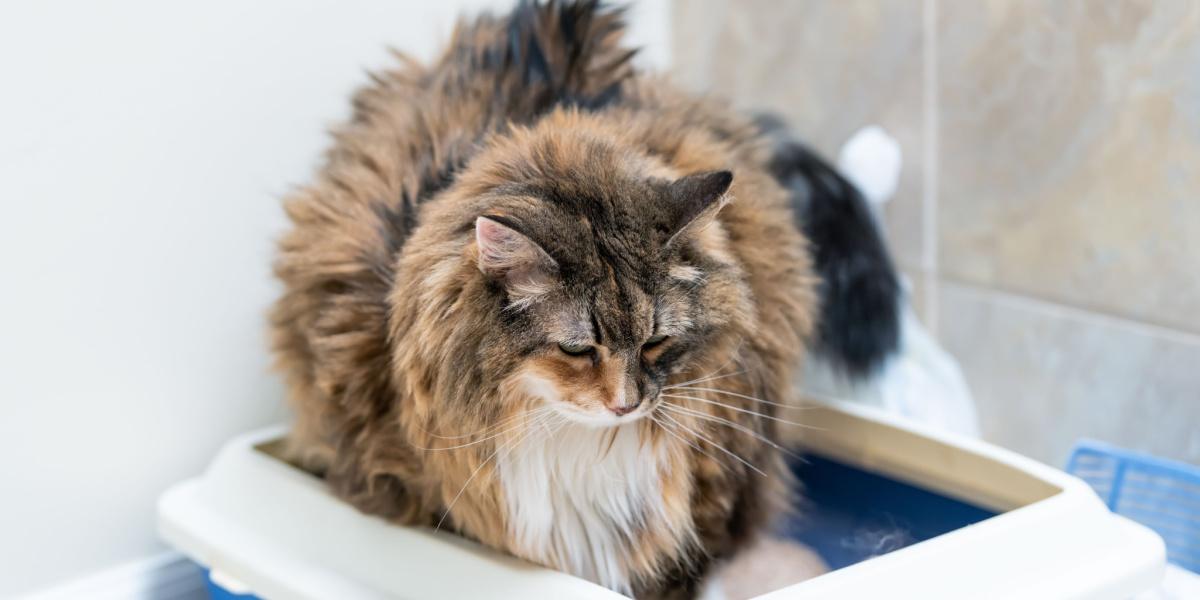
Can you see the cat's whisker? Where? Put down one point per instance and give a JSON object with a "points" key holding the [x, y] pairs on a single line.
{"points": [[723, 421], [558, 425], [512, 427], [464, 487], [509, 447], [673, 431], [715, 373], [694, 446], [549, 427], [487, 429], [716, 445], [743, 396], [703, 379], [741, 410], [503, 423], [476, 442]]}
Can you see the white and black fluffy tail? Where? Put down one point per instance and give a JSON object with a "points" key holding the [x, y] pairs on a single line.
{"points": [[859, 323]]}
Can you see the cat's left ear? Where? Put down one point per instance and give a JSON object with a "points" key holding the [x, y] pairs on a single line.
{"points": [[696, 199], [510, 256]]}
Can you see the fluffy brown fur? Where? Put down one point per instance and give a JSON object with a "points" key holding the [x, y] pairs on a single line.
{"points": [[527, 190]]}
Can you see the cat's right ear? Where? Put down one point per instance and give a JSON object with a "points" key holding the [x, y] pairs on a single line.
{"points": [[508, 255], [695, 200]]}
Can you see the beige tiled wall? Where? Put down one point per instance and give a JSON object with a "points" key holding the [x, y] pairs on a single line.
{"points": [[1049, 207]]}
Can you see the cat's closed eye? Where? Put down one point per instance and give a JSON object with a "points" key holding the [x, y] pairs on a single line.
{"points": [[653, 347], [655, 340], [575, 349]]}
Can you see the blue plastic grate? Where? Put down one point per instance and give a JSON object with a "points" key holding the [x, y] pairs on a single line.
{"points": [[1161, 494]]}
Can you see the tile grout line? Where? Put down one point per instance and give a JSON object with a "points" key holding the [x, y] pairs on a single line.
{"points": [[929, 167], [1043, 306]]}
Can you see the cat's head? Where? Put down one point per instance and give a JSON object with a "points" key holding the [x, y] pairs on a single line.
{"points": [[607, 272]]}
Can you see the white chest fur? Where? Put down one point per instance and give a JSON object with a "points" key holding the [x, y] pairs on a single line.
{"points": [[574, 501]]}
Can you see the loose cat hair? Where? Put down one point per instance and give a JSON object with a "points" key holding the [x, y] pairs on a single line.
{"points": [[549, 303]]}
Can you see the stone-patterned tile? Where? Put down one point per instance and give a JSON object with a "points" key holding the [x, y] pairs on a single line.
{"points": [[829, 67], [1070, 153], [1044, 376]]}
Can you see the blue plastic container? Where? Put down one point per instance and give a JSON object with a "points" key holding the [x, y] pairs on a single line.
{"points": [[1161, 494], [849, 515]]}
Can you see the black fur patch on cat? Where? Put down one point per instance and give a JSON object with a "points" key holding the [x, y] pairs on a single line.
{"points": [[859, 324], [551, 44], [397, 220]]}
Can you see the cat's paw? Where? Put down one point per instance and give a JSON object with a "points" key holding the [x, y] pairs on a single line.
{"points": [[766, 566]]}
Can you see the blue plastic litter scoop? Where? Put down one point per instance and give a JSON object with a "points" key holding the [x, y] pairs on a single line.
{"points": [[1161, 494]]}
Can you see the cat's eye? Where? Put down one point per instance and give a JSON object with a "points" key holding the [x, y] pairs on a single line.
{"points": [[655, 340], [575, 349]]}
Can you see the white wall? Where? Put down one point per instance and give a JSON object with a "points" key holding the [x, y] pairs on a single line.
{"points": [[143, 149]]}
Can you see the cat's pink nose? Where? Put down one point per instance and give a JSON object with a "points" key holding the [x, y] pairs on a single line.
{"points": [[623, 409]]}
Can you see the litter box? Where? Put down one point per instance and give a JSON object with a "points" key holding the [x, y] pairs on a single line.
{"points": [[897, 510]]}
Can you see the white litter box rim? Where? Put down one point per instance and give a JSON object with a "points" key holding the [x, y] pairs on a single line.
{"points": [[256, 520]]}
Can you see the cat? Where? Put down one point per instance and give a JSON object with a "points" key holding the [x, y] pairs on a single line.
{"points": [[554, 305]]}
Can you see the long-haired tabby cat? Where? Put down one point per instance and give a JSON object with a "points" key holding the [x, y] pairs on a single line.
{"points": [[541, 300]]}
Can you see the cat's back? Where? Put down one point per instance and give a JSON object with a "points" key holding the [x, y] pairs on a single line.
{"points": [[412, 129]]}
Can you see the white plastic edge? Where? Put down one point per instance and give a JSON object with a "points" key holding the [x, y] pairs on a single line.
{"points": [[281, 533]]}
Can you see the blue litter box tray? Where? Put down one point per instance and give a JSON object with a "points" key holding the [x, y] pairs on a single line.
{"points": [[849, 515]]}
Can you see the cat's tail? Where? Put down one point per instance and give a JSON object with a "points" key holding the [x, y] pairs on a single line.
{"points": [[551, 52], [859, 322]]}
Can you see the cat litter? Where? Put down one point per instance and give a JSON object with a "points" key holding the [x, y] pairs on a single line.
{"points": [[896, 509]]}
